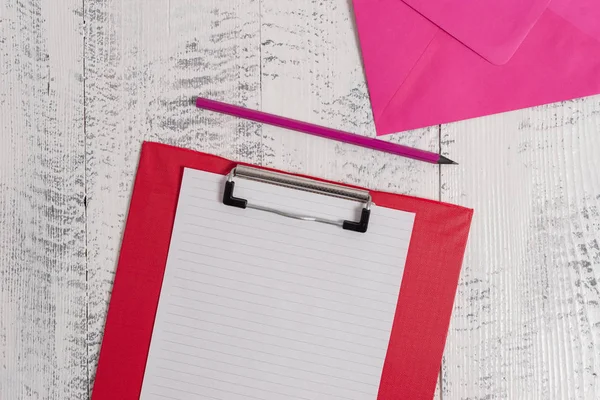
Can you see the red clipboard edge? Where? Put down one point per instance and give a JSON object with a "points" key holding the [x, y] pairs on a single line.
{"points": [[424, 305]]}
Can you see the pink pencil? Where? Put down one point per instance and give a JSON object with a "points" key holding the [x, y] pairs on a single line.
{"points": [[312, 129]]}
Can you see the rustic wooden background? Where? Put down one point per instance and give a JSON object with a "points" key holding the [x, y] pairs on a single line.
{"points": [[83, 82]]}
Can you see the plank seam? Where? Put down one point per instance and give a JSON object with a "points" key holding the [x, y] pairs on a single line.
{"points": [[85, 206]]}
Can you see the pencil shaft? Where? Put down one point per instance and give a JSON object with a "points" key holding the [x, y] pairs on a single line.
{"points": [[317, 130]]}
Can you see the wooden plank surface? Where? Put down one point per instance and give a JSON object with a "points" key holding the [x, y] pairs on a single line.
{"points": [[527, 317], [526, 322], [42, 235]]}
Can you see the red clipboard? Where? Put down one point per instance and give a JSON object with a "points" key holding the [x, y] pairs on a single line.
{"points": [[425, 303]]}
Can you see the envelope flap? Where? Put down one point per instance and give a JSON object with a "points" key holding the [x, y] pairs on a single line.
{"points": [[493, 29], [584, 14]]}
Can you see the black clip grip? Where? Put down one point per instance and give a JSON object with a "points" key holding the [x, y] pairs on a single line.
{"points": [[360, 226], [229, 199]]}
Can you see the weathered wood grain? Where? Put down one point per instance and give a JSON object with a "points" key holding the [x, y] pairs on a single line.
{"points": [[145, 61], [42, 214], [526, 322], [311, 70]]}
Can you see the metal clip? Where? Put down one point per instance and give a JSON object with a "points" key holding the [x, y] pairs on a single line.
{"points": [[299, 183]]}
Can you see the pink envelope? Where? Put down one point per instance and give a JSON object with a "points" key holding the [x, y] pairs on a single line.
{"points": [[430, 62]]}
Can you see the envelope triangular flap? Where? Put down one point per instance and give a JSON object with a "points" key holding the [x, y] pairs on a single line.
{"points": [[491, 28]]}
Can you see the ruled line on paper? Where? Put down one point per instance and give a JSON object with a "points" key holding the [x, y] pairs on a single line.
{"points": [[239, 243], [242, 376], [273, 345], [252, 333], [346, 351], [272, 307], [287, 281], [179, 362], [259, 306], [270, 325], [290, 292], [162, 396], [303, 318], [235, 385], [198, 386], [269, 297], [266, 334], [291, 264], [288, 266], [287, 271], [281, 242], [391, 249], [214, 304], [213, 360]]}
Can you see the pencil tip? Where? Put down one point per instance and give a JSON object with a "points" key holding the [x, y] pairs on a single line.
{"points": [[444, 160]]}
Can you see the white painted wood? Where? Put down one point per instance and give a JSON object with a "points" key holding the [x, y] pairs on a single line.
{"points": [[311, 70], [42, 232], [526, 321]]}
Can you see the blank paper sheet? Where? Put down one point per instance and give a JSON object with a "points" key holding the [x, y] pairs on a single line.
{"points": [[255, 305]]}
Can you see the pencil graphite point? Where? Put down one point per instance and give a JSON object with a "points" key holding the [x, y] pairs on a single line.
{"points": [[444, 160]]}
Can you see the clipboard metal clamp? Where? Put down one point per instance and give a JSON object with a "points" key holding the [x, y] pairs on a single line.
{"points": [[299, 183]]}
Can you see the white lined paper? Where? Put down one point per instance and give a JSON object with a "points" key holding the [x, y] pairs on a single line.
{"points": [[258, 306]]}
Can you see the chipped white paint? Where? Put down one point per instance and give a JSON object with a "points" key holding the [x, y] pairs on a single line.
{"points": [[526, 321], [43, 301]]}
